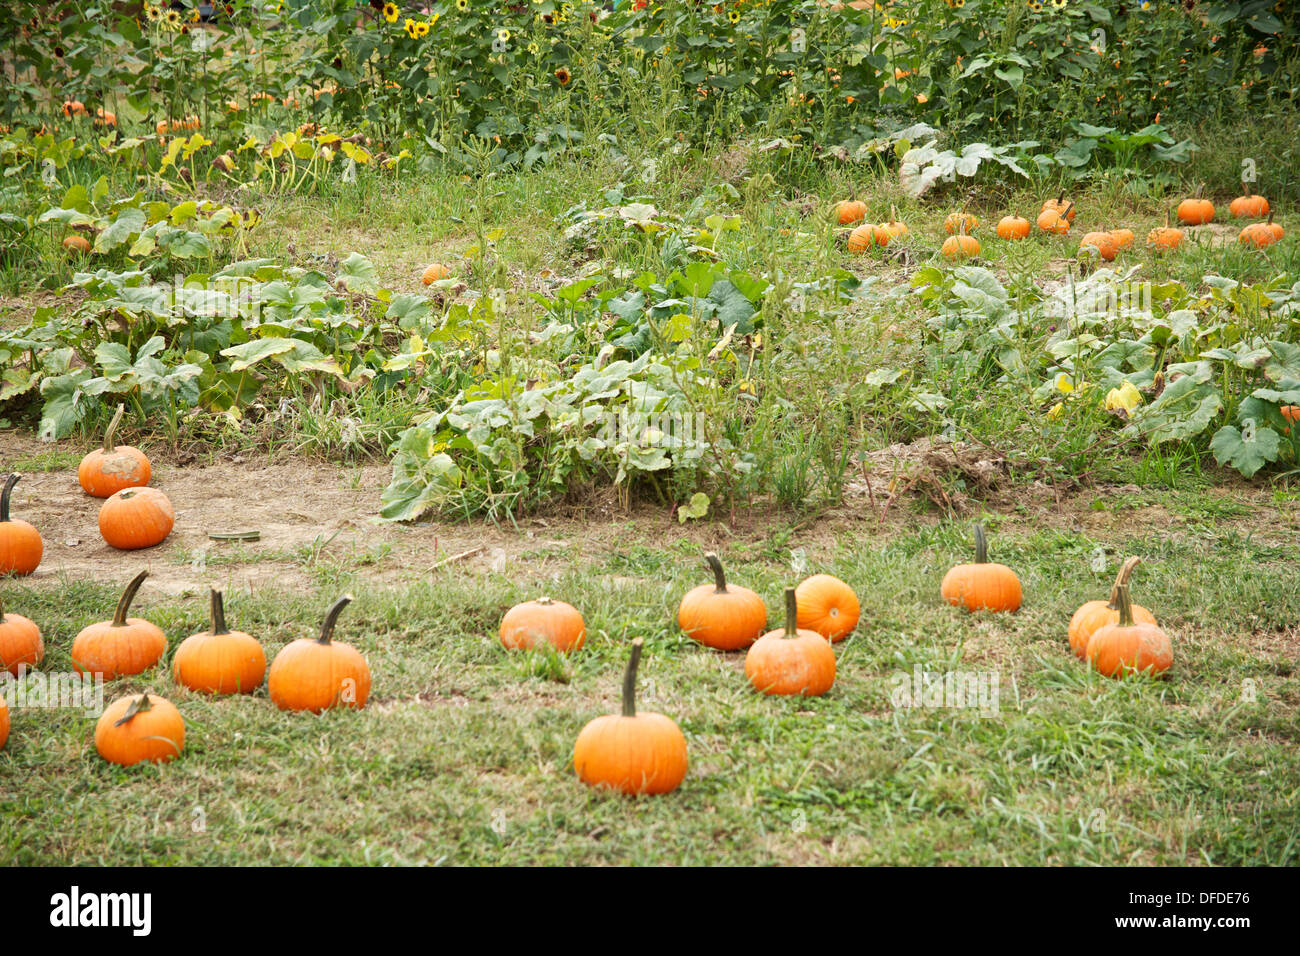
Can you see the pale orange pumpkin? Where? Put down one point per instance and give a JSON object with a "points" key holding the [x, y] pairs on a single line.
{"points": [[630, 752], [790, 661], [138, 728], [435, 272], [1128, 646], [110, 468], [1060, 205], [1055, 222], [1103, 242], [827, 605], [861, 239], [543, 621], [1261, 235], [960, 247], [122, 646], [722, 616], [1092, 616], [984, 585], [1124, 238], [1195, 211], [20, 642], [77, 244]]}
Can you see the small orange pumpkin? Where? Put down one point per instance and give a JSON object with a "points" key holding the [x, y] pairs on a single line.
{"points": [[960, 247], [1128, 647], [1054, 221], [984, 585], [1103, 242], [721, 616], [861, 239], [122, 646], [1092, 616], [219, 660], [543, 620], [1061, 205], [1292, 414], [1195, 211], [135, 518], [790, 661], [316, 674], [849, 211], [1013, 228], [107, 470], [887, 232], [1248, 205], [630, 752], [138, 728], [20, 544], [1124, 238], [1261, 235], [1165, 238], [20, 642], [960, 223], [77, 244], [74, 108], [435, 272], [828, 606]]}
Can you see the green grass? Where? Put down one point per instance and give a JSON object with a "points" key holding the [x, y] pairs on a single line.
{"points": [[463, 753]]}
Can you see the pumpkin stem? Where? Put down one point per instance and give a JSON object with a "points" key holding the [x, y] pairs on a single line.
{"points": [[4, 495], [1125, 607], [1060, 197], [720, 578], [629, 679], [893, 214], [218, 608], [331, 618], [112, 428], [124, 605], [138, 706], [791, 614], [1246, 188], [1066, 215], [1122, 580], [2, 609], [981, 545]]}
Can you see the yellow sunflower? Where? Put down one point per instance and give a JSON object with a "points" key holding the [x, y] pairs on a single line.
{"points": [[503, 36], [534, 49], [152, 13], [462, 5], [194, 15], [409, 27], [734, 16], [563, 75], [421, 30], [390, 12]]}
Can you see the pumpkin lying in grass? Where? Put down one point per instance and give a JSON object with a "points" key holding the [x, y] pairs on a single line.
{"points": [[1165, 238], [543, 621], [630, 752], [20, 544], [960, 247], [122, 646], [1129, 646], [1092, 616], [435, 272], [861, 239], [77, 244], [1195, 211], [1054, 221], [828, 606], [1103, 242], [960, 224], [1261, 235], [722, 616], [136, 518], [1124, 238], [1013, 228], [110, 468], [20, 642], [1248, 205], [139, 728], [887, 232], [984, 585], [1060, 205], [791, 661], [316, 674], [219, 660], [849, 211]]}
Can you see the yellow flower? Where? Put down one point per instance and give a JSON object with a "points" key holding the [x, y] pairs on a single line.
{"points": [[421, 30], [503, 35], [409, 27], [172, 17], [433, 20], [534, 49], [152, 13], [1064, 384], [1126, 397], [462, 5], [194, 15], [390, 12], [1055, 411], [922, 98], [734, 16]]}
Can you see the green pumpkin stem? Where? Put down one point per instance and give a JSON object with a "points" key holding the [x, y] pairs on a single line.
{"points": [[1125, 607], [629, 679], [218, 609], [138, 706], [791, 614], [5, 493], [112, 429], [719, 577], [2, 609], [124, 605], [331, 618], [981, 545], [1121, 580]]}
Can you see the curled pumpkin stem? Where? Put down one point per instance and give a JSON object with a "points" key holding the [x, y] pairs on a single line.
{"points": [[112, 429], [138, 706], [1121, 580], [331, 618], [629, 679], [5, 494], [124, 605], [218, 608], [719, 576]]}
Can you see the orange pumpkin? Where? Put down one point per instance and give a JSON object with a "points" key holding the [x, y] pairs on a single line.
{"points": [[544, 620], [20, 544], [828, 606], [135, 518], [1128, 646], [1123, 238], [1060, 205], [960, 247], [74, 108], [861, 239], [107, 470], [77, 244], [122, 646], [1195, 212], [984, 585], [1292, 414], [1092, 616], [20, 642], [1054, 221], [1012, 228], [790, 661], [630, 752], [105, 118], [1164, 238], [849, 211], [1103, 242], [219, 660], [887, 232], [435, 272], [1248, 205], [138, 728], [960, 223], [1261, 235], [316, 674], [721, 616]]}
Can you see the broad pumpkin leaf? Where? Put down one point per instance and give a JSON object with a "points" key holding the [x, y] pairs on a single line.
{"points": [[1248, 450], [129, 222]]}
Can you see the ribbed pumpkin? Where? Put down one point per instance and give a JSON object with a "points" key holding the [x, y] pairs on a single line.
{"points": [[1248, 205], [1124, 238], [726, 617], [1165, 238], [630, 752], [1054, 221], [849, 211], [316, 674], [1103, 242], [1129, 646], [1060, 205], [1013, 227], [960, 223], [138, 728], [20, 544], [544, 620], [828, 606], [1092, 616], [135, 518], [109, 469], [1261, 235], [960, 247], [791, 661], [122, 646], [20, 642], [435, 272], [861, 239], [1195, 212], [983, 585], [219, 660]]}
